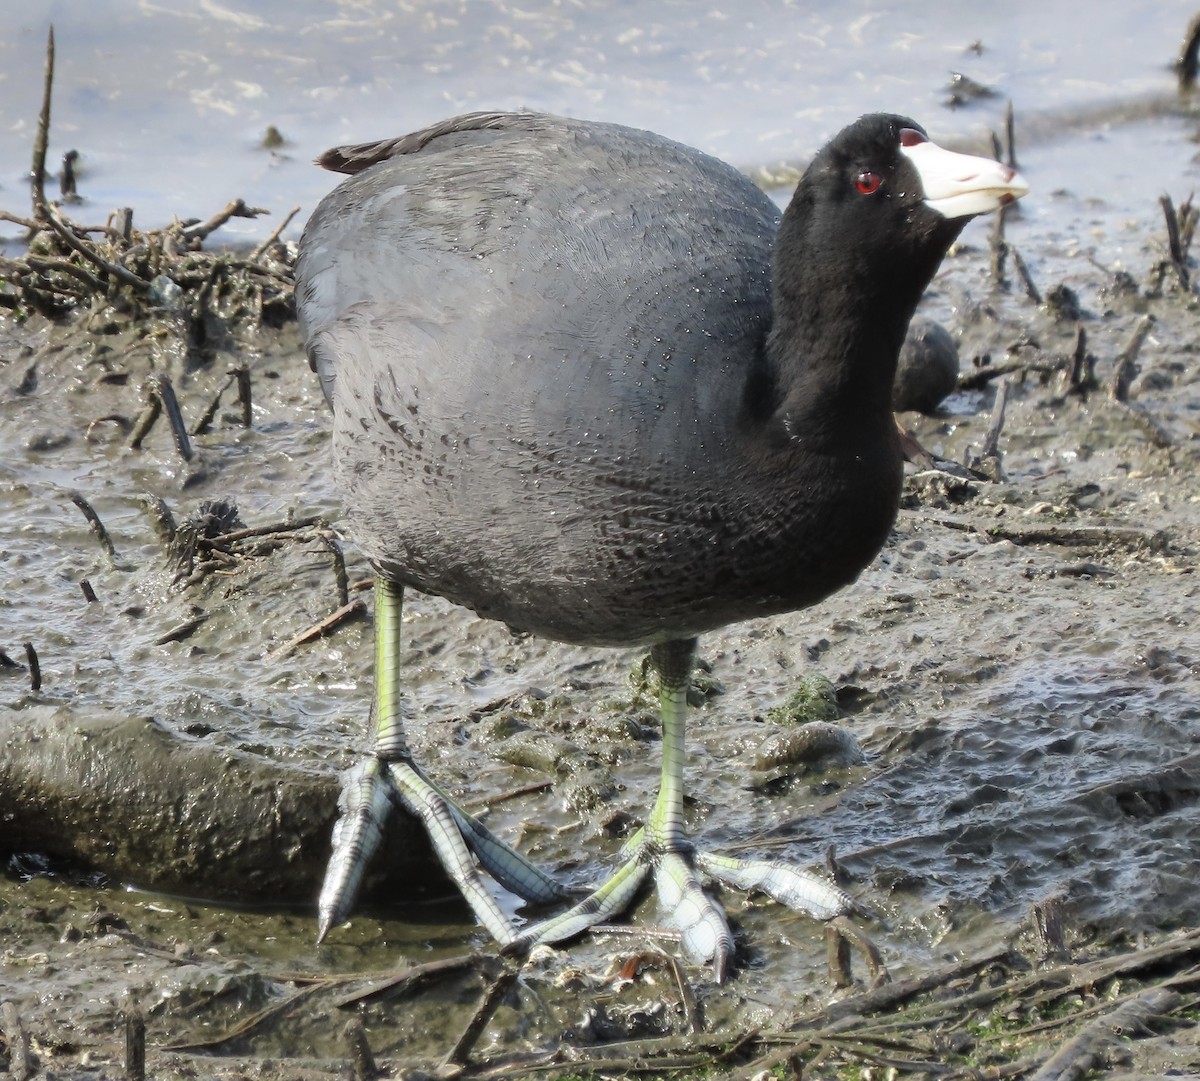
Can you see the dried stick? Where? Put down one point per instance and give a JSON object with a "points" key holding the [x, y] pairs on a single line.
{"points": [[1118, 387], [16, 219], [63, 266], [980, 377], [236, 209], [266, 530], [1086, 1049], [89, 593], [991, 439], [1031, 289], [42, 138], [265, 246], [76, 243]]}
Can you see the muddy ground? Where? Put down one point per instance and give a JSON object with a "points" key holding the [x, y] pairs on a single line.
{"points": [[1019, 666]]}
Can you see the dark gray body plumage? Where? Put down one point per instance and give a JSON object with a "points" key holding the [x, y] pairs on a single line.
{"points": [[543, 342]]}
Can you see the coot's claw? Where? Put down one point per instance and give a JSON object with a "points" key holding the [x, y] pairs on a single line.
{"points": [[785, 883], [370, 790], [364, 806], [688, 908]]}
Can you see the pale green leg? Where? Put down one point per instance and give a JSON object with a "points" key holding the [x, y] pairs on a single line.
{"points": [[389, 777], [660, 846]]}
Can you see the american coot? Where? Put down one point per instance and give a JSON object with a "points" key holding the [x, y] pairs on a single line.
{"points": [[586, 381]]}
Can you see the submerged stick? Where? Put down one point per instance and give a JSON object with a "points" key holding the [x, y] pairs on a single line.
{"points": [[319, 630], [1031, 289], [339, 570], [161, 518], [160, 396], [460, 1053], [1082, 377], [991, 440], [999, 248], [206, 418]]}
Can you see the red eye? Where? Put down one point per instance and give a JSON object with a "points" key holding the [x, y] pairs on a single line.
{"points": [[867, 183], [911, 137]]}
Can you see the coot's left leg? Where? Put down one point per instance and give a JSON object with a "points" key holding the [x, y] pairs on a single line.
{"points": [[661, 848]]}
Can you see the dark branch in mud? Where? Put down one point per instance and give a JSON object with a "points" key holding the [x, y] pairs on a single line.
{"points": [[135, 1045], [21, 1063], [35, 668], [362, 1062], [1031, 289], [1174, 241], [102, 536], [1081, 378], [104, 790]]}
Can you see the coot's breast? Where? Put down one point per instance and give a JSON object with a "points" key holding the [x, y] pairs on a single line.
{"points": [[539, 344]]}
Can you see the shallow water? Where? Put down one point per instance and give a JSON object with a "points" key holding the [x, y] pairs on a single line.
{"points": [[168, 101]]}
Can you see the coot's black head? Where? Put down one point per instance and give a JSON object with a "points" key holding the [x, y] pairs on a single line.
{"points": [[878, 208]]}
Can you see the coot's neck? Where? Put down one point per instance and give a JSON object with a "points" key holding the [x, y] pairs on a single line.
{"points": [[839, 320]]}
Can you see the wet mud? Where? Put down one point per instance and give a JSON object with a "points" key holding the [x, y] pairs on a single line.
{"points": [[1016, 676]]}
